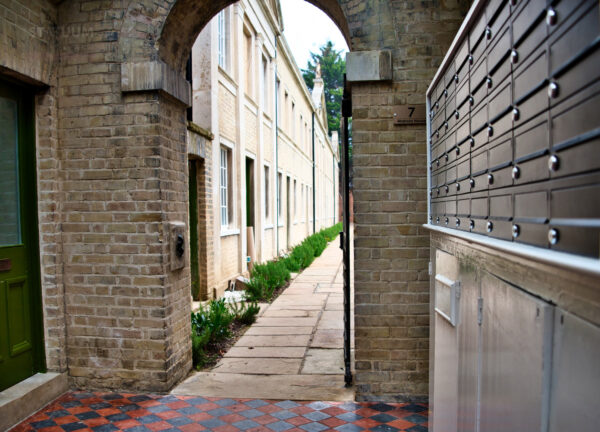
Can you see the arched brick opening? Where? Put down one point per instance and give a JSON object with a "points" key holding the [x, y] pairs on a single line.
{"points": [[124, 164], [187, 18]]}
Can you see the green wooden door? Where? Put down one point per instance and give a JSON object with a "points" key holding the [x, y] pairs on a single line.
{"points": [[193, 196], [20, 342]]}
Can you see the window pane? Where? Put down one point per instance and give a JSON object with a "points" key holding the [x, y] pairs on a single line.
{"points": [[10, 232]]}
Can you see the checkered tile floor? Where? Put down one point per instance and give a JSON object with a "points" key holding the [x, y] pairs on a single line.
{"points": [[108, 412]]}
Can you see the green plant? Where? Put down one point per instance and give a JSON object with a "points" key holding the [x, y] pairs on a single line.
{"points": [[291, 264], [304, 254], [245, 313], [256, 288], [215, 319], [317, 242], [199, 342]]}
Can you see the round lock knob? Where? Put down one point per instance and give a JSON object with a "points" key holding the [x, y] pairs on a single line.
{"points": [[471, 101], [490, 178], [457, 222], [437, 220], [438, 191], [456, 114], [516, 173], [516, 114], [514, 57], [553, 163], [551, 17], [430, 193], [553, 90], [446, 125], [437, 162], [516, 230], [446, 188], [472, 183], [470, 59], [553, 236], [513, 2], [490, 131], [446, 157], [490, 226], [437, 105], [471, 224], [446, 93], [472, 141], [488, 33], [446, 221], [437, 134], [457, 186], [457, 151], [456, 78], [489, 82]]}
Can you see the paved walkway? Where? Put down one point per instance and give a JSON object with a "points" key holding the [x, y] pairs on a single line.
{"points": [[294, 350]]}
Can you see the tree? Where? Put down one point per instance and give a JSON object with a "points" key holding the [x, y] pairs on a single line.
{"points": [[333, 67]]}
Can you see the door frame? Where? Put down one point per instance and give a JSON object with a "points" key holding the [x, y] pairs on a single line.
{"points": [[27, 160]]}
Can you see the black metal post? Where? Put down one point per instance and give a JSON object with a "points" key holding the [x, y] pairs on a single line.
{"points": [[345, 240]]}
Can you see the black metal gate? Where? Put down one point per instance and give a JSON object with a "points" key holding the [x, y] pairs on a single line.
{"points": [[345, 234]]}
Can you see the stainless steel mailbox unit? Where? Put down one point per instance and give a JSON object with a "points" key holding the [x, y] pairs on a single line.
{"points": [[514, 209]]}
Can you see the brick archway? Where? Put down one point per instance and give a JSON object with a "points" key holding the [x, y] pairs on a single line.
{"points": [[119, 154]]}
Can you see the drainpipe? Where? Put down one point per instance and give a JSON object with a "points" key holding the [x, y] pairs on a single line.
{"points": [[333, 182], [313, 173], [278, 197]]}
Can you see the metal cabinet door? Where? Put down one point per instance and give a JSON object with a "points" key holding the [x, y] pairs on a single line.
{"points": [[516, 346], [468, 347], [445, 349], [575, 405]]}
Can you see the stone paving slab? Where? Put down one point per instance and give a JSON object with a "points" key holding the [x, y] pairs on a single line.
{"points": [[296, 330], [323, 361], [291, 313], [266, 352], [328, 338], [327, 289], [296, 387], [259, 366], [286, 322], [290, 306], [274, 341]]}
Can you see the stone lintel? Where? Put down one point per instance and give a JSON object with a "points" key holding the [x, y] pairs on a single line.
{"points": [[200, 131], [155, 76], [369, 66]]}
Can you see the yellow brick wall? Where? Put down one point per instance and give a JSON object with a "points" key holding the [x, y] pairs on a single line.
{"points": [[228, 260], [250, 136], [227, 114], [268, 151]]}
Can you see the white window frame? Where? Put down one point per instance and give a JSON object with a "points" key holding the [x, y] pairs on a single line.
{"points": [[295, 192], [248, 47], [226, 189], [293, 122], [302, 206], [266, 86], [280, 197], [223, 39]]}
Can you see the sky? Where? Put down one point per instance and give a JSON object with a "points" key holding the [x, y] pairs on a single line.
{"points": [[306, 28]]}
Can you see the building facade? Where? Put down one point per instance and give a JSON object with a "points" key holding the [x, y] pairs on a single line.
{"points": [[267, 132]]}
